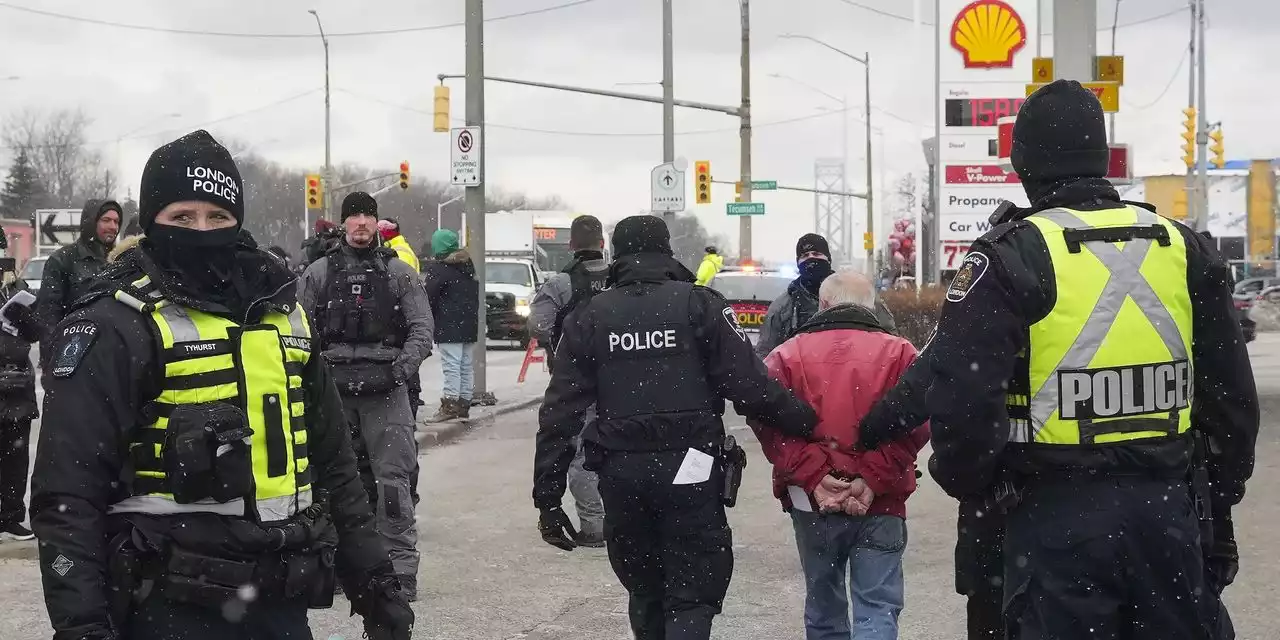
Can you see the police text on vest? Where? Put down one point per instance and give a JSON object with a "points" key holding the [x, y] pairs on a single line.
{"points": [[643, 340], [1121, 392]]}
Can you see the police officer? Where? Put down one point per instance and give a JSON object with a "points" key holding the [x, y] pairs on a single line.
{"points": [[193, 464], [17, 401], [581, 279], [1074, 338], [658, 356], [374, 323]]}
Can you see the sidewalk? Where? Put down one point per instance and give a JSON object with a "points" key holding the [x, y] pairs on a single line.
{"points": [[503, 368]]}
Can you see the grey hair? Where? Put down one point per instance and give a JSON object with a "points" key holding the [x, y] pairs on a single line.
{"points": [[847, 286]]}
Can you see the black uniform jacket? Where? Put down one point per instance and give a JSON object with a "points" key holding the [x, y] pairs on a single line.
{"points": [[90, 414], [733, 372], [973, 352]]}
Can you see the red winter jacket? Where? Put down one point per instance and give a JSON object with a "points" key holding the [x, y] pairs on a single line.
{"points": [[841, 363]]}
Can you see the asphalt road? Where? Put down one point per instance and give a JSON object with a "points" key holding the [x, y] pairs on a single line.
{"points": [[486, 575]]}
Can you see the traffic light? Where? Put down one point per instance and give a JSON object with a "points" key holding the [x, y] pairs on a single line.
{"points": [[737, 191], [404, 174], [1216, 148], [867, 242], [702, 182], [315, 191], [1189, 137], [441, 118]]}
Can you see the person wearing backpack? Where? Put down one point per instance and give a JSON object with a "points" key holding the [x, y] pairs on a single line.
{"points": [[582, 278]]}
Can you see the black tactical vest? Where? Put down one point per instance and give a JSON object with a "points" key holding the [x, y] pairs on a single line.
{"points": [[357, 305], [584, 284], [649, 356]]}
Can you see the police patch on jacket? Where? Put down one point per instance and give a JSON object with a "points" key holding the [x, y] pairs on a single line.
{"points": [[71, 345], [1124, 392], [731, 317], [646, 342], [971, 271]]}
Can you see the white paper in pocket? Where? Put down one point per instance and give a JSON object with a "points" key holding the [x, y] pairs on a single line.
{"points": [[695, 468]]}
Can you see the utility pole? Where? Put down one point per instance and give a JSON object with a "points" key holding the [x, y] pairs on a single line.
{"points": [[744, 113], [1202, 128], [474, 196], [668, 96], [871, 225], [1115, 20], [328, 159]]}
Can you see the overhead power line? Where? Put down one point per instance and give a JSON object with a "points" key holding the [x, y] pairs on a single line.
{"points": [[229, 34], [1186, 53], [898, 16], [186, 128]]}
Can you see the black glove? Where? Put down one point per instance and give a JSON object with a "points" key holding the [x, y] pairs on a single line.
{"points": [[386, 611], [557, 529], [1223, 561]]}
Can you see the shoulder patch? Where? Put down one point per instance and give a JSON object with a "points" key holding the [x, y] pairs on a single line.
{"points": [[732, 318], [971, 271], [72, 343]]}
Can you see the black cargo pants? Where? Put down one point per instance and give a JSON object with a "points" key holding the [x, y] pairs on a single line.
{"points": [[669, 544], [159, 618], [1105, 559]]}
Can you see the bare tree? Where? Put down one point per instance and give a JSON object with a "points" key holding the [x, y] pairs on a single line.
{"points": [[906, 190], [57, 144]]}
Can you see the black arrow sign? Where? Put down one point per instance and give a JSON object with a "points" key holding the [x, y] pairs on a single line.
{"points": [[666, 180]]}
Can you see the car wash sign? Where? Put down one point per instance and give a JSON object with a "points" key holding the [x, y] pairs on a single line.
{"points": [[985, 49]]}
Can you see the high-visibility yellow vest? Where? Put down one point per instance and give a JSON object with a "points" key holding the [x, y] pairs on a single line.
{"points": [[404, 252], [1111, 362], [207, 358]]}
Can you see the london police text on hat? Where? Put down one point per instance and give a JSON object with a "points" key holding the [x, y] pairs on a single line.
{"points": [[214, 182]]}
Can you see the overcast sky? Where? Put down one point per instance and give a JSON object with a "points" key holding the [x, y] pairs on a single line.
{"points": [[265, 91]]}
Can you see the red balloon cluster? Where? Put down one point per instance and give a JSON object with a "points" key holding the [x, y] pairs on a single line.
{"points": [[902, 244]]}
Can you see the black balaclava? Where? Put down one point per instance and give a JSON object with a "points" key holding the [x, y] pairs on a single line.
{"points": [[1060, 136], [193, 167], [813, 270]]}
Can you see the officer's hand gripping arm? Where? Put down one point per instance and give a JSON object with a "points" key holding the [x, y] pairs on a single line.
{"points": [[571, 392], [739, 376], [77, 470]]}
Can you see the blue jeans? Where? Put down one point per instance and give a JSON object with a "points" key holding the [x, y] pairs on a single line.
{"points": [[456, 361], [870, 549]]}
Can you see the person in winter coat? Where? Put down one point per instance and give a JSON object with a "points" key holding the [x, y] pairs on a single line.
{"points": [[328, 236], [847, 505], [712, 263], [69, 269], [450, 280], [800, 301], [389, 229], [17, 404]]}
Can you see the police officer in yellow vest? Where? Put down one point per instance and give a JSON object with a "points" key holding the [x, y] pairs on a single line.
{"points": [[195, 477], [1084, 344]]}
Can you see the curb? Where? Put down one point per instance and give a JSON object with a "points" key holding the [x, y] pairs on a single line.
{"points": [[446, 433], [20, 550]]}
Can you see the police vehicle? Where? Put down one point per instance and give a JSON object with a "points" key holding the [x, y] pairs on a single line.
{"points": [[750, 289]]}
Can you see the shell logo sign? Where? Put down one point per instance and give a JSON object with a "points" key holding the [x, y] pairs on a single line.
{"points": [[988, 33]]}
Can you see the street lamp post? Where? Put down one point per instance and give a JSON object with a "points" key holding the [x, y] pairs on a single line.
{"points": [[328, 163], [744, 135], [866, 63], [668, 95], [440, 209]]}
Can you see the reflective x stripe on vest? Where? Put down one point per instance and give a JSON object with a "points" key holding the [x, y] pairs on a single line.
{"points": [[1110, 362], [258, 368]]}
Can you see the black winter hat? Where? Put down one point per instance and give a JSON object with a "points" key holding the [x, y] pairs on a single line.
{"points": [[812, 242], [359, 202], [193, 167], [1060, 133], [641, 234]]}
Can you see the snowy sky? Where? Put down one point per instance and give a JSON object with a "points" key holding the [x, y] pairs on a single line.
{"points": [[266, 90]]}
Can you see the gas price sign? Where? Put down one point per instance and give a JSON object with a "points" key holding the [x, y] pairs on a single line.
{"points": [[979, 112]]}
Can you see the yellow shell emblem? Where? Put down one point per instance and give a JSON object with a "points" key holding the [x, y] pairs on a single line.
{"points": [[988, 33]]}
